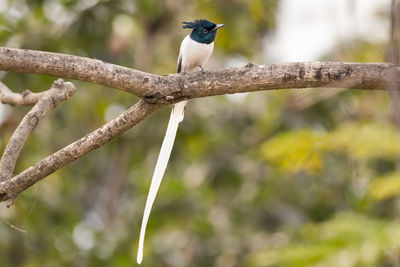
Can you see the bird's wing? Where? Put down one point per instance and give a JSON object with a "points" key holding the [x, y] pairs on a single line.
{"points": [[179, 66], [176, 117]]}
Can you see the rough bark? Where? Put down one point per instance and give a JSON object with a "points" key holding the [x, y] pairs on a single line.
{"points": [[74, 67], [26, 98], [157, 91], [11, 188], [250, 78], [176, 87], [59, 92]]}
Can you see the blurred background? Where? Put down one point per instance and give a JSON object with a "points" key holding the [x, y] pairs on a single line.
{"points": [[276, 178]]}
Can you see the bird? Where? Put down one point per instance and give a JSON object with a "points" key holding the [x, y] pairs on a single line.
{"points": [[195, 50]]}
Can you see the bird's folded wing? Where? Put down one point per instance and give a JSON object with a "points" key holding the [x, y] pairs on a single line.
{"points": [[179, 66]]}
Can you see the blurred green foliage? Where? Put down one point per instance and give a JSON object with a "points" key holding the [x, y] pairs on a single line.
{"points": [[346, 240], [305, 149], [305, 178]]}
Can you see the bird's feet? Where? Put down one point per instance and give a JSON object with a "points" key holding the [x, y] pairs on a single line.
{"points": [[202, 69]]}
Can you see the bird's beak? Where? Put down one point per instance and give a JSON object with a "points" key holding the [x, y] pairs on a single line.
{"points": [[217, 27]]}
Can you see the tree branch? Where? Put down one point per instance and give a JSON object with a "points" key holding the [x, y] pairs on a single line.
{"points": [[250, 78], [26, 98], [157, 91], [176, 87], [59, 91], [9, 189], [74, 67]]}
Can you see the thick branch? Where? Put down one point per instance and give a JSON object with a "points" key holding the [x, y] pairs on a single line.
{"points": [[74, 67], [59, 91], [126, 120], [158, 91], [250, 78], [173, 88]]}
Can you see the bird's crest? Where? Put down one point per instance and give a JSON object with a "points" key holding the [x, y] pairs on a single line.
{"points": [[198, 23]]}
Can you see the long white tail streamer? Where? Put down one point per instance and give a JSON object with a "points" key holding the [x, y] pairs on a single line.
{"points": [[176, 117]]}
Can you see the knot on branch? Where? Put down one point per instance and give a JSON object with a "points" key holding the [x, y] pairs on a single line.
{"points": [[249, 65], [169, 92], [26, 92], [60, 91], [58, 84], [33, 120], [9, 197]]}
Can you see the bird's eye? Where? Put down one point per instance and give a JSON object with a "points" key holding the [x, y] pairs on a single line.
{"points": [[205, 31]]}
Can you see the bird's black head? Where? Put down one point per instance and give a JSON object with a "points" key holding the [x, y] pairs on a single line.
{"points": [[203, 31]]}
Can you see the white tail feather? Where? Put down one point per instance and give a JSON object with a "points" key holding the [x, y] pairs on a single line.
{"points": [[176, 117]]}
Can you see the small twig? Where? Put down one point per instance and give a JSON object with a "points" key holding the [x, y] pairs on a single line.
{"points": [[30, 212], [12, 226], [26, 98], [59, 91], [10, 201]]}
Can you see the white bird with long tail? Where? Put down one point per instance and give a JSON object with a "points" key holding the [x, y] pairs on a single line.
{"points": [[195, 50]]}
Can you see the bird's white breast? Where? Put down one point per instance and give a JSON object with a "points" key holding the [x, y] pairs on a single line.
{"points": [[194, 53]]}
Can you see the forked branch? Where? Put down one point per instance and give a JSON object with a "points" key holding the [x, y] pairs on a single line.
{"points": [[157, 91], [51, 98], [126, 120]]}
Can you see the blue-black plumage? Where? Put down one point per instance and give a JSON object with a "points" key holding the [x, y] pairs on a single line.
{"points": [[204, 31], [198, 46]]}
